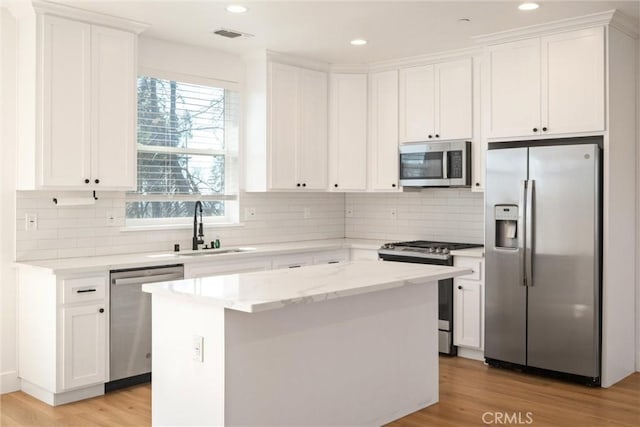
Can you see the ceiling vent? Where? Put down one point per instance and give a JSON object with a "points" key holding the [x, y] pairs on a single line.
{"points": [[231, 34]]}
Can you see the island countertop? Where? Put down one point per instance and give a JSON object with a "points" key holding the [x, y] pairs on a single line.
{"points": [[268, 290]]}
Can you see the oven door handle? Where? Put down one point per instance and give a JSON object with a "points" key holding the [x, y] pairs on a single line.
{"points": [[445, 166]]}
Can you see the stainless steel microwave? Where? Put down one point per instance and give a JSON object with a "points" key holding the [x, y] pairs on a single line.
{"points": [[436, 164]]}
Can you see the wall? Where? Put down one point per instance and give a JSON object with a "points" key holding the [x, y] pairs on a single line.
{"points": [[8, 353], [432, 214]]}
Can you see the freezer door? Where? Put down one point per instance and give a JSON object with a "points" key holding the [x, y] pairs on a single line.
{"points": [[564, 302], [505, 294]]}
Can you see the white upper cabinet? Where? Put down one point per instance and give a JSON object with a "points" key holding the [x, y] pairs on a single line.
{"points": [[383, 131], [573, 81], [78, 92], [113, 107], [436, 102], [417, 104], [454, 100], [286, 127], [547, 86], [66, 102], [348, 132], [514, 79], [313, 147], [284, 121]]}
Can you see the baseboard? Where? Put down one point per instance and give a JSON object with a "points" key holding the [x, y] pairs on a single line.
{"points": [[55, 399], [468, 353], [9, 382]]}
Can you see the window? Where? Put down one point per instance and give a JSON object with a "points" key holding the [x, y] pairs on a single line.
{"points": [[187, 151]]}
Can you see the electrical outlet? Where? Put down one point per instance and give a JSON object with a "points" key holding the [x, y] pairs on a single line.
{"points": [[31, 222], [111, 218], [393, 213], [307, 213], [249, 214], [197, 348], [349, 213]]}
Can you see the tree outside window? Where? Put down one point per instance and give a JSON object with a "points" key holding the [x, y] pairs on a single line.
{"points": [[185, 132]]}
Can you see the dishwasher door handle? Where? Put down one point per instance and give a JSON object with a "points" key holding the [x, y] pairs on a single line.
{"points": [[146, 279]]}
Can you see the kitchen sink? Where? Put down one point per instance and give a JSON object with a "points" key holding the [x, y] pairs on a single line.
{"points": [[204, 252]]}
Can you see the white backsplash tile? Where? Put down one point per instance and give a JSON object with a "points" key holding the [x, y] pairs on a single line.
{"points": [[434, 214], [430, 214], [73, 231]]}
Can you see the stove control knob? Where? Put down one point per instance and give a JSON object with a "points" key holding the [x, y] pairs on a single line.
{"points": [[445, 251], [438, 250], [431, 250]]}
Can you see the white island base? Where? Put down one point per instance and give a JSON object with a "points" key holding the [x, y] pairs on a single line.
{"points": [[365, 359]]}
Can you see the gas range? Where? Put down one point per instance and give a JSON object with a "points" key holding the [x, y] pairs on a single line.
{"points": [[422, 249]]}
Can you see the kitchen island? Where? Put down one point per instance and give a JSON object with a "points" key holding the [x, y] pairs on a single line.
{"points": [[339, 344]]}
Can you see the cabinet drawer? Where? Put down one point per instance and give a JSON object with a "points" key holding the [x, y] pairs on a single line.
{"points": [[83, 289], [292, 261], [474, 264]]}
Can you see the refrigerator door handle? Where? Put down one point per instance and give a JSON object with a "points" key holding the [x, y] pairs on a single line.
{"points": [[530, 228], [522, 219]]}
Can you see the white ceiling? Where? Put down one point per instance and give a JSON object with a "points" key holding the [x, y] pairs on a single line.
{"points": [[322, 29]]}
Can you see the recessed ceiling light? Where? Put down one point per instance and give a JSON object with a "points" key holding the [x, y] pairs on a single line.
{"points": [[236, 8], [464, 20], [528, 6], [358, 42]]}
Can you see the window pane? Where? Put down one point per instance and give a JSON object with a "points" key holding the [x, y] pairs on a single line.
{"points": [[167, 173], [180, 115], [172, 209]]}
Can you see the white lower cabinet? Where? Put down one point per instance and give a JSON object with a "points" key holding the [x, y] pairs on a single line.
{"points": [[84, 345], [331, 257], [292, 261], [468, 308], [62, 335], [467, 313]]}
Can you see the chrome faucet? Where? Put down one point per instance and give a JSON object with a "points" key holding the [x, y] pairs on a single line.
{"points": [[198, 229]]}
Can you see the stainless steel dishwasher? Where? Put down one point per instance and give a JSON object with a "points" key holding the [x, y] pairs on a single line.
{"points": [[130, 331]]}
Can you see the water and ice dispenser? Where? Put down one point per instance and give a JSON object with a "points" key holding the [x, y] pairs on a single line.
{"points": [[506, 218]]}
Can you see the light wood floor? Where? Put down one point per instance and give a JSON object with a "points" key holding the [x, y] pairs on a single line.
{"points": [[468, 389]]}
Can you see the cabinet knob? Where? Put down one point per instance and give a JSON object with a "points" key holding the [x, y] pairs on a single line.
{"points": [[437, 136], [86, 181], [430, 136], [459, 287], [477, 184], [97, 181], [298, 185], [335, 185], [544, 129], [304, 184], [101, 310], [393, 185], [535, 129]]}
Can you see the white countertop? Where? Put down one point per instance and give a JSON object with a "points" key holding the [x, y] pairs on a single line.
{"points": [[268, 290], [146, 259]]}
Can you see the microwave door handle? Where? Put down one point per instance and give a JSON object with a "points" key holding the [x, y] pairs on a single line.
{"points": [[445, 168]]}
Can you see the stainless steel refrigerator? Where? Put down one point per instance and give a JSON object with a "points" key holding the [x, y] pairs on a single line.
{"points": [[543, 257]]}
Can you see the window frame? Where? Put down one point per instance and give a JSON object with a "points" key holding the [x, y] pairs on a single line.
{"points": [[230, 153]]}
